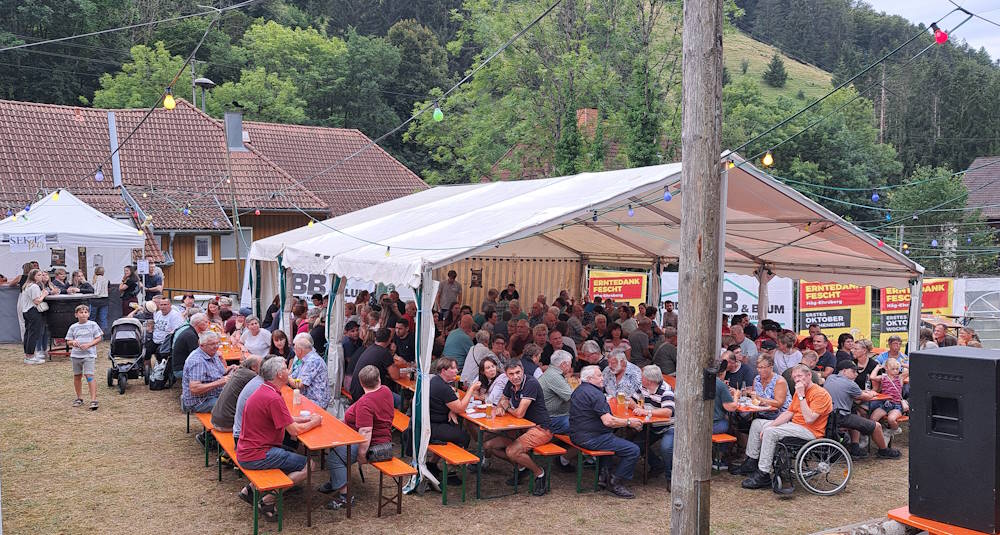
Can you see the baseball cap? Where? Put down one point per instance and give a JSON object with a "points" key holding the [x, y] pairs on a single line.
{"points": [[768, 344], [846, 365], [245, 311]]}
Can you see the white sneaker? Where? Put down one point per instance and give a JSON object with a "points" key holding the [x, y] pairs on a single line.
{"points": [[34, 360]]}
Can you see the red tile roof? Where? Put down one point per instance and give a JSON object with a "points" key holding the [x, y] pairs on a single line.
{"points": [[983, 183], [371, 177], [179, 159]]}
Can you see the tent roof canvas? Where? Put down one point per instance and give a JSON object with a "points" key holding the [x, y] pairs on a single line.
{"points": [[72, 222], [588, 216]]}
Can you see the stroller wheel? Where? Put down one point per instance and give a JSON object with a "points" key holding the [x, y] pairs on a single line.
{"points": [[111, 377], [122, 380]]}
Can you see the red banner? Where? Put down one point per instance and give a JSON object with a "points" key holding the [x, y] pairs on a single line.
{"points": [[818, 294]]}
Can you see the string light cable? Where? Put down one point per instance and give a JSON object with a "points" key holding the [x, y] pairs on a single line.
{"points": [[208, 11]]}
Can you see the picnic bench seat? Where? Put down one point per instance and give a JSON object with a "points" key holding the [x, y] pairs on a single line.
{"points": [[270, 481], [719, 439], [456, 456], [547, 450], [206, 421], [397, 470], [400, 422], [580, 454]]}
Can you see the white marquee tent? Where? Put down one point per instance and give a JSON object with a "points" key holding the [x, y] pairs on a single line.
{"points": [[68, 223], [614, 217]]}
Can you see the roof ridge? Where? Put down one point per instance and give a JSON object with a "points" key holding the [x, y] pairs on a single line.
{"points": [[295, 183], [68, 107]]}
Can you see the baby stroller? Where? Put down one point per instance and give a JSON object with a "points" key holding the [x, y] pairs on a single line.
{"points": [[127, 353]]}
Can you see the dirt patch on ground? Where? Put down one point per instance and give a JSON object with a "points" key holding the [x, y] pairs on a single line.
{"points": [[130, 468]]}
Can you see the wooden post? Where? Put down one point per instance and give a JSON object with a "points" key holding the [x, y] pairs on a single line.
{"points": [[702, 256]]}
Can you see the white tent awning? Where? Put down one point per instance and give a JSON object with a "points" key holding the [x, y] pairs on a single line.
{"points": [[68, 221], [767, 224]]}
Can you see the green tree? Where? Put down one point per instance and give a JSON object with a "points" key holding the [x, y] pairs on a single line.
{"points": [[141, 81], [567, 160], [775, 75], [263, 96], [946, 238]]}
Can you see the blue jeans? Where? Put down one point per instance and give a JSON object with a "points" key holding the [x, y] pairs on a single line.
{"points": [[338, 465], [99, 311], [43, 339], [280, 458], [559, 425], [626, 452], [204, 406]]}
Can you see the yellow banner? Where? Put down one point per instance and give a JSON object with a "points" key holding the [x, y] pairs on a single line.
{"points": [[894, 304], [836, 308]]}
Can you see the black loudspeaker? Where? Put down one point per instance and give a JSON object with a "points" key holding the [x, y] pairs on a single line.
{"points": [[954, 421]]}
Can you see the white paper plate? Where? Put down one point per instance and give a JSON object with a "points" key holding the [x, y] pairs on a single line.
{"points": [[470, 410], [477, 415]]}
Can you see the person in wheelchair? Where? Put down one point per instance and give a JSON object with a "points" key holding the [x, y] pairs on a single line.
{"points": [[805, 418], [844, 392]]}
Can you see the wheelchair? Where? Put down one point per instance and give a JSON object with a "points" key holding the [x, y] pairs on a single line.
{"points": [[822, 465]]}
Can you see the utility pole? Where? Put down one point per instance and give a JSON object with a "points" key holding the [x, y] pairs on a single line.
{"points": [[702, 246]]}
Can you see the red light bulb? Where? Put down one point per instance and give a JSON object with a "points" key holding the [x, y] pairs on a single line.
{"points": [[881, 243], [256, 212], [940, 36]]}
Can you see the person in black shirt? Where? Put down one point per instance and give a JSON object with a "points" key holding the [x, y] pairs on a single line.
{"points": [[523, 398], [592, 426], [510, 293], [350, 345], [377, 355], [738, 374], [590, 355], [318, 333], [445, 405], [404, 341], [845, 343], [269, 317], [827, 362], [186, 341], [556, 341]]}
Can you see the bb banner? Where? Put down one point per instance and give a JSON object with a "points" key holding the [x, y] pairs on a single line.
{"points": [[836, 308], [739, 296], [622, 286], [894, 305]]}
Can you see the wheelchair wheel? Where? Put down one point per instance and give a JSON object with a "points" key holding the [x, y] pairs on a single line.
{"points": [[823, 466]]}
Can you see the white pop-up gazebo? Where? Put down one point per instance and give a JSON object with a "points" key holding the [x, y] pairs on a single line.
{"points": [[629, 216], [60, 220]]}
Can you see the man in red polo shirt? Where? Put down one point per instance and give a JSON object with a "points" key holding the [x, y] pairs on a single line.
{"points": [[265, 421]]}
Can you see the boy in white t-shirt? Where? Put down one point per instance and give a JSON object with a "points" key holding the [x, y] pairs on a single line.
{"points": [[83, 337]]}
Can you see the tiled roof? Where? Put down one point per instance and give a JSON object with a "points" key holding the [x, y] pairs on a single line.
{"points": [[983, 183], [371, 177], [178, 157]]}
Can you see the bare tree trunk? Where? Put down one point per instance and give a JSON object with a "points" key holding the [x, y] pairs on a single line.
{"points": [[702, 217]]}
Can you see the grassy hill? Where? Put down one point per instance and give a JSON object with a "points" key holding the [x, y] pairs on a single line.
{"points": [[738, 46]]}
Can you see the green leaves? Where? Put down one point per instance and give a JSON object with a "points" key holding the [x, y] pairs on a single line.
{"points": [[141, 81]]}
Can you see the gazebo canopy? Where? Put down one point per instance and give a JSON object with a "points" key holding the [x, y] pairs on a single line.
{"points": [[588, 216]]}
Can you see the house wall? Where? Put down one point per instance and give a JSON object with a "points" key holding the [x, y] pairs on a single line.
{"points": [[220, 275], [532, 276]]}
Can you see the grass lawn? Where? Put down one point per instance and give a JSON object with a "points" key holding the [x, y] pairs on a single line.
{"points": [[737, 46], [130, 468]]}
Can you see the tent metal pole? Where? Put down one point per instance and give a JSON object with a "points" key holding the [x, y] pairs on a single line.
{"points": [[916, 299]]}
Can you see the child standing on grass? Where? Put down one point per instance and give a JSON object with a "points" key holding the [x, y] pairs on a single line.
{"points": [[83, 338]]}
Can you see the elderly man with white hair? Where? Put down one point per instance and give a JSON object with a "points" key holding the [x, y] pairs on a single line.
{"points": [[204, 375], [590, 355], [658, 400], [307, 371], [592, 426], [557, 391], [621, 376]]}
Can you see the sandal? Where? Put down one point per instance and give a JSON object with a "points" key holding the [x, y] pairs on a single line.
{"points": [[93, 405], [245, 496], [77, 402], [269, 511]]}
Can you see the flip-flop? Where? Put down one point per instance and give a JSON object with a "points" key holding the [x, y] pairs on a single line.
{"points": [[245, 496], [93, 405], [77, 402], [269, 511]]}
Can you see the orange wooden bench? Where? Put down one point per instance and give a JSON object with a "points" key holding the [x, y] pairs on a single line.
{"points": [[263, 482], [397, 470], [455, 456], [580, 453], [548, 450], [718, 439], [400, 422], [206, 421]]}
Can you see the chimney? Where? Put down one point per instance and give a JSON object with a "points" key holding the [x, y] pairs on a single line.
{"points": [[234, 131], [586, 121]]}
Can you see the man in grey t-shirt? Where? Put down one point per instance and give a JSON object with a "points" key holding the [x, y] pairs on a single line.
{"points": [[843, 391]]}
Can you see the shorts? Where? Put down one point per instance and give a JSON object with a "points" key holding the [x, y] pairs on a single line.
{"points": [[280, 458], [534, 437], [857, 423], [886, 405], [84, 365]]}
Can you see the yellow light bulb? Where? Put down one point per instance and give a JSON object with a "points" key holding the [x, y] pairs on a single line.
{"points": [[15, 217], [768, 159], [55, 196], [387, 252], [731, 164], [311, 223], [141, 232], [168, 101]]}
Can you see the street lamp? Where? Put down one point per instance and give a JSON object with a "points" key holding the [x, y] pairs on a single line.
{"points": [[203, 83]]}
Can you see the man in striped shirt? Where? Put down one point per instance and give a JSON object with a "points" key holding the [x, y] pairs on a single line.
{"points": [[658, 400]]}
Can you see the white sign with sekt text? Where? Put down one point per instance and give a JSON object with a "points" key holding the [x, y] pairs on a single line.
{"points": [[26, 243]]}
